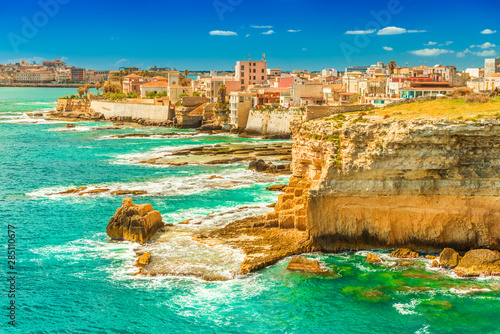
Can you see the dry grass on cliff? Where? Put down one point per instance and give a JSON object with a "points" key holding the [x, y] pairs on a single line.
{"points": [[445, 108]]}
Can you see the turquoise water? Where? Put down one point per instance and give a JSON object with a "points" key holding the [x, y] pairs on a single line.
{"points": [[71, 279]]}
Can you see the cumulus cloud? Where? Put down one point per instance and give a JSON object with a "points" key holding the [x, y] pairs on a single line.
{"points": [[360, 32], [262, 27], [430, 52], [486, 45], [430, 43], [397, 31], [293, 30], [222, 33], [488, 31], [485, 53], [448, 43], [387, 48], [269, 32]]}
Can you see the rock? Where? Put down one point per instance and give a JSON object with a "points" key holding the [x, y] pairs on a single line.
{"points": [[185, 222], [215, 177], [29, 115], [144, 259], [133, 222], [118, 124], [70, 191], [300, 263], [370, 258], [129, 192], [405, 263], [94, 192], [404, 253], [449, 258], [435, 264], [70, 125], [430, 257], [258, 165], [277, 187], [38, 115], [373, 296], [479, 262]]}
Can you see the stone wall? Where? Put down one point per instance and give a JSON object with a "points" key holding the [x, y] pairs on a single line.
{"points": [[72, 106], [365, 182], [129, 111], [277, 122]]}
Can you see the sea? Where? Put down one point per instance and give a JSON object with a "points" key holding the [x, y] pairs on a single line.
{"points": [[66, 276]]}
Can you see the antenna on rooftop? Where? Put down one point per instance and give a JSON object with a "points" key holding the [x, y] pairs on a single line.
{"points": [[263, 56], [249, 59]]}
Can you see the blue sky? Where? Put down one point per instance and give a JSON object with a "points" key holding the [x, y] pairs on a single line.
{"points": [[294, 34]]}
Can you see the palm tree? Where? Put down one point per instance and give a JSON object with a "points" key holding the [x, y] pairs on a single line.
{"points": [[186, 73], [81, 91], [222, 93], [97, 87], [86, 88]]}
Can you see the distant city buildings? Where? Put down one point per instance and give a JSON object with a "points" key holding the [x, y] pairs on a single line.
{"points": [[491, 65]]}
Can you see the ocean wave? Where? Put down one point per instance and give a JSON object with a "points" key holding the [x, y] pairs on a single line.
{"points": [[134, 158], [170, 186], [407, 308]]}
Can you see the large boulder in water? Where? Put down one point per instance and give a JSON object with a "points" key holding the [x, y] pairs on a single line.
{"points": [[449, 258], [479, 262], [133, 222], [300, 263]]}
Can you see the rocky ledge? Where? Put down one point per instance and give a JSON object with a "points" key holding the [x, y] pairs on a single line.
{"points": [[137, 223], [366, 182]]}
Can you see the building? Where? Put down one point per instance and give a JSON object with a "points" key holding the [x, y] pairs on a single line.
{"points": [[475, 72], [418, 89], [330, 71], [36, 76], [175, 92], [77, 74], [308, 90], [54, 64], [491, 65], [133, 82], [240, 105], [273, 73], [251, 72], [492, 81], [156, 87]]}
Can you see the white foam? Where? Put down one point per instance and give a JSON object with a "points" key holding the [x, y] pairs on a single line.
{"points": [[407, 308]]}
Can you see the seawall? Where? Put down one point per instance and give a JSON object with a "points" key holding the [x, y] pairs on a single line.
{"points": [[278, 121], [365, 182], [127, 111]]}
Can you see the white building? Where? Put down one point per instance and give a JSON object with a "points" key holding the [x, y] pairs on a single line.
{"points": [[491, 65], [240, 105], [475, 72], [330, 71]]}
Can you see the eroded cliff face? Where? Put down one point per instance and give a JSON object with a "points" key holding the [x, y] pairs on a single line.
{"points": [[364, 182]]}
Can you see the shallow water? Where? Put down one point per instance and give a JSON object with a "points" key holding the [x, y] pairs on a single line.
{"points": [[71, 279]]}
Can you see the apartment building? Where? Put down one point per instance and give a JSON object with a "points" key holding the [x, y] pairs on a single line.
{"points": [[251, 72]]}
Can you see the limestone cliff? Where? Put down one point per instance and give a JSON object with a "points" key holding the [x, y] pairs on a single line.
{"points": [[369, 182]]}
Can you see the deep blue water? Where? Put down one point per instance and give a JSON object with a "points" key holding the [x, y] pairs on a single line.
{"points": [[72, 279]]}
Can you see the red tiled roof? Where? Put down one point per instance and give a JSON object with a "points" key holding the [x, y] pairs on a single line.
{"points": [[156, 84]]}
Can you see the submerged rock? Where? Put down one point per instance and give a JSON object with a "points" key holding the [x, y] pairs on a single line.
{"points": [[301, 263], [404, 253], [277, 187], [479, 262], [370, 258], [449, 258], [70, 125], [133, 222]]}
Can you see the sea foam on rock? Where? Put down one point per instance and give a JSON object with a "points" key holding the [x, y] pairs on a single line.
{"points": [[137, 223]]}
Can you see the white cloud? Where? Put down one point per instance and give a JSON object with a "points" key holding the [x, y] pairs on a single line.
{"points": [[64, 59], [430, 52], [120, 62], [247, 35], [431, 43], [387, 48], [488, 31], [262, 27], [360, 32], [448, 43], [269, 32], [485, 53], [461, 54], [486, 45], [293, 30], [397, 31], [391, 31], [222, 33], [304, 49]]}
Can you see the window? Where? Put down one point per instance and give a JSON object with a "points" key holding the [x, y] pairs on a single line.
{"points": [[254, 77], [262, 70], [242, 81], [242, 74], [253, 64], [242, 67], [262, 77], [254, 70]]}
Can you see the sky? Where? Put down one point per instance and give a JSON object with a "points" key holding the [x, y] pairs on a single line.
{"points": [[214, 34]]}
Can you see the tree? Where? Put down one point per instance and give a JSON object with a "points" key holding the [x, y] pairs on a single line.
{"points": [[392, 66], [186, 73], [86, 89], [97, 87], [222, 93], [81, 91]]}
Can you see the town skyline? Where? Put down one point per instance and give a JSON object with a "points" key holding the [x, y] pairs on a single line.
{"points": [[212, 35]]}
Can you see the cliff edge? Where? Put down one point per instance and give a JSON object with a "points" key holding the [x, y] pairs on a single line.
{"points": [[364, 181]]}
